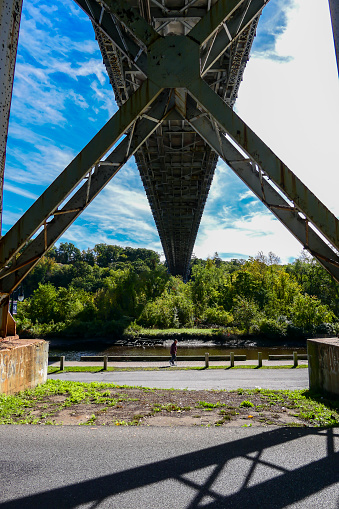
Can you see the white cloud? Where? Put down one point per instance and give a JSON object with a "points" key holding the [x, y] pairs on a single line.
{"points": [[43, 165], [19, 191], [293, 105], [262, 232]]}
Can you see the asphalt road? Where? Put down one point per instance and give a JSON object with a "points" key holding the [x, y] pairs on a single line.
{"points": [[205, 379], [168, 468]]}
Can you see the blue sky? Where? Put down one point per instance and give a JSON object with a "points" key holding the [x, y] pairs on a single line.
{"points": [[62, 97]]}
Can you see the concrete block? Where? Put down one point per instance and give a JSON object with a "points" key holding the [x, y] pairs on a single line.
{"points": [[323, 365], [23, 364]]}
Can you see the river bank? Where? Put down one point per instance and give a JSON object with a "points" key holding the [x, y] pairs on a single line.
{"points": [[189, 338], [249, 346]]}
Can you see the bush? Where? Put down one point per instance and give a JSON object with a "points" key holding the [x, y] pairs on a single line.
{"points": [[168, 311], [272, 328], [294, 332], [218, 316], [245, 313], [308, 312], [326, 328]]}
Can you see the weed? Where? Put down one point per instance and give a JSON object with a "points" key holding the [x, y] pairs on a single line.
{"points": [[209, 406], [90, 421], [246, 404]]}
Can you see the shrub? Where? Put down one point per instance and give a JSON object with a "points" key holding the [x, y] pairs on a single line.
{"points": [[272, 328], [245, 312], [307, 311], [218, 316]]}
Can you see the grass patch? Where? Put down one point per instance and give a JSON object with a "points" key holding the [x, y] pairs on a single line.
{"points": [[111, 404], [97, 369]]}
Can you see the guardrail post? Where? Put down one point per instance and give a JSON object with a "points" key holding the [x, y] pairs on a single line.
{"points": [[62, 362], [105, 362], [207, 360], [295, 359], [232, 359], [259, 359]]}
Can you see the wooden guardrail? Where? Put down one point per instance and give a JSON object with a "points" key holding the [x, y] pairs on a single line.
{"points": [[301, 357], [158, 358], [231, 358], [295, 357], [61, 359]]}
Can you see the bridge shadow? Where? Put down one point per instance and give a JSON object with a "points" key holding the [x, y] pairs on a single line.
{"points": [[251, 472]]}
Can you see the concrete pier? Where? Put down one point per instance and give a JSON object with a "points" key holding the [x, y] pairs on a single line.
{"points": [[323, 365], [23, 364]]}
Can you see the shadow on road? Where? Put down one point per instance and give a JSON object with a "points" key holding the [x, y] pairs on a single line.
{"points": [[280, 488]]}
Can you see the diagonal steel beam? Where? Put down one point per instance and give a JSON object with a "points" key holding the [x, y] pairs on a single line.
{"points": [[11, 277], [103, 19], [10, 16], [68, 180], [132, 21], [249, 172], [231, 30], [219, 13], [277, 171]]}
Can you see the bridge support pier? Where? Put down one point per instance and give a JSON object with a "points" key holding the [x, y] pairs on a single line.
{"points": [[323, 365], [23, 364]]}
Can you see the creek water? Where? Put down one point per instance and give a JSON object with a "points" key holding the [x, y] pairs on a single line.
{"points": [[73, 351]]}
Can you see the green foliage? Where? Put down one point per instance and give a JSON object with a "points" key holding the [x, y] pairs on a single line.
{"points": [[308, 311], [173, 309], [245, 312], [109, 289], [246, 404], [272, 328], [218, 316]]}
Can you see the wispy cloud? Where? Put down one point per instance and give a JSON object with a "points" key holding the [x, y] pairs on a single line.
{"points": [[62, 97], [44, 164], [272, 25], [19, 191], [246, 236]]}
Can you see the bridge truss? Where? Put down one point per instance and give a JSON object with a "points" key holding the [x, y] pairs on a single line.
{"points": [[175, 67]]}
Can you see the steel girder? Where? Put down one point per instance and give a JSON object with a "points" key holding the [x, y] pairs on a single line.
{"points": [[68, 180], [276, 170], [10, 15], [172, 63], [264, 188], [176, 165], [96, 179]]}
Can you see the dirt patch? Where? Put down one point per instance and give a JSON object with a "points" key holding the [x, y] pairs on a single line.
{"points": [[157, 407]]}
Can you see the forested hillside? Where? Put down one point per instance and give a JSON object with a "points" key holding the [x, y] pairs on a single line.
{"points": [[110, 291]]}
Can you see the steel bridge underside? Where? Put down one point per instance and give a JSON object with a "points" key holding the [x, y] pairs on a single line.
{"points": [[176, 165], [175, 67]]}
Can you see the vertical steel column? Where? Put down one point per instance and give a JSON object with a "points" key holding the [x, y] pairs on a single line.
{"points": [[334, 10], [10, 14], [4, 318]]}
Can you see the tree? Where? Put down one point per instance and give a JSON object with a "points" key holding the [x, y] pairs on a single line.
{"points": [[307, 311], [67, 253], [107, 255]]}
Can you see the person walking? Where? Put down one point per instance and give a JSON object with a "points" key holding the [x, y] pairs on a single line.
{"points": [[173, 352]]}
